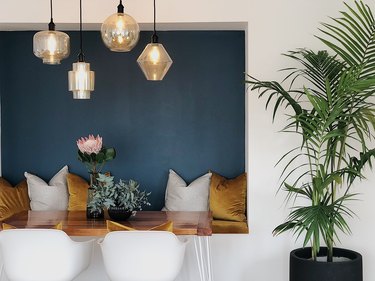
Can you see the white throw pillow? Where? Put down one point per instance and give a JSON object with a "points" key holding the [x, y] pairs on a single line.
{"points": [[51, 196], [182, 197]]}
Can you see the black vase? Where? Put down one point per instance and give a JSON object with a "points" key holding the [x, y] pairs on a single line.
{"points": [[303, 268], [119, 213], [97, 214]]}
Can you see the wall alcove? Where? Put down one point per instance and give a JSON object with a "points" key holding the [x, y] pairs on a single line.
{"points": [[193, 121]]}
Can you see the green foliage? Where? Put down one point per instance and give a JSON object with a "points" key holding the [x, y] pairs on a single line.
{"points": [[122, 194], [334, 114], [95, 162]]}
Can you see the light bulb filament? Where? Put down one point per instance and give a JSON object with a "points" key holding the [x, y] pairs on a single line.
{"points": [[52, 44], [120, 24], [155, 55], [120, 30]]}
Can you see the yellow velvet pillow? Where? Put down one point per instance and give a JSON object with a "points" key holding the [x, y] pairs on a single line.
{"points": [[228, 197], [58, 226], [77, 187], [13, 199], [115, 226]]}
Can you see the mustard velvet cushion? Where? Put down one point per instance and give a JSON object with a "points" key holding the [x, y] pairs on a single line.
{"points": [[228, 198], [220, 226], [114, 226], [77, 188], [13, 199]]}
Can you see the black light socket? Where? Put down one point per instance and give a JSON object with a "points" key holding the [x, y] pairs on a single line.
{"points": [[154, 38], [81, 57], [120, 8], [51, 25]]}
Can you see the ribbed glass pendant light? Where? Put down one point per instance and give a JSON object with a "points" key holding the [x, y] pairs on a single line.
{"points": [[50, 45], [120, 32], [81, 78], [154, 60]]}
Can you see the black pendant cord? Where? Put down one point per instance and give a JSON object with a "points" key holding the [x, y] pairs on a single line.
{"points": [[51, 25], [154, 38], [154, 16], [81, 56]]}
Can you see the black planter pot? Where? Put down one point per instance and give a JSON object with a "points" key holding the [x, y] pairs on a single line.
{"points": [[94, 215], [302, 268], [119, 213]]}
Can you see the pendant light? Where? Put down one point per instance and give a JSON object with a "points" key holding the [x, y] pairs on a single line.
{"points": [[50, 45], [154, 60], [120, 32], [81, 79]]}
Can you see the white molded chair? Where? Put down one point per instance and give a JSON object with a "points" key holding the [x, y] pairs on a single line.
{"points": [[142, 255], [43, 255]]}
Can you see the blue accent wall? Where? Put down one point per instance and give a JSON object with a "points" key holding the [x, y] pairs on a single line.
{"points": [[193, 121]]}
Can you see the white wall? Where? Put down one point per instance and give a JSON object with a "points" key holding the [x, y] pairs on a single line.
{"points": [[273, 28]]}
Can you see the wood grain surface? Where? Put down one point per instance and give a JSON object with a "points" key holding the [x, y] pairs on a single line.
{"points": [[75, 223]]}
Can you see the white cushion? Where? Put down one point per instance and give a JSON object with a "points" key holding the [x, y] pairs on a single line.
{"points": [[182, 197], [51, 196]]}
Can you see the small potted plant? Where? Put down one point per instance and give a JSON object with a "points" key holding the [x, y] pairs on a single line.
{"points": [[121, 198]]}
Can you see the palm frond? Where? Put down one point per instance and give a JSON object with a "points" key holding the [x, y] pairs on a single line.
{"points": [[353, 37], [276, 89]]}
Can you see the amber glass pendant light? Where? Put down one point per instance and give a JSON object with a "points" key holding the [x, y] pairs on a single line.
{"points": [[81, 78], [50, 45], [154, 60], [120, 32]]}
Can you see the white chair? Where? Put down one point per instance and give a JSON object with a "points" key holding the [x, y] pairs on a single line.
{"points": [[43, 255], [142, 255]]}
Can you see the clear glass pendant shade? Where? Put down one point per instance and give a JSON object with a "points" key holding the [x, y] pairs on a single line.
{"points": [[120, 32], [81, 80], [154, 61], [51, 46]]}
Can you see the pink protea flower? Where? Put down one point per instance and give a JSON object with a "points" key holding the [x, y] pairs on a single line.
{"points": [[90, 145]]}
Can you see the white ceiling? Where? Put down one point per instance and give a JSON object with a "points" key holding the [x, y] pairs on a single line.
{"points": [[143, 26]]}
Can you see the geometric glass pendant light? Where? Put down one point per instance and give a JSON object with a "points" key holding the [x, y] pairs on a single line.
{"points": [[50, 45], [120, 32], [81, 78], [154, 60]]}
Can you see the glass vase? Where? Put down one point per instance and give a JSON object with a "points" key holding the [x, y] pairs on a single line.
{"points": [[90, 212]]}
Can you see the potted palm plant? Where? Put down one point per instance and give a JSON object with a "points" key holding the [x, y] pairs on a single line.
{"points": [[121, 198], [333, 115]]}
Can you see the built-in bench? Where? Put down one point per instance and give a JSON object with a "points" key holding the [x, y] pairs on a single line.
{"points": [[227, 200]]}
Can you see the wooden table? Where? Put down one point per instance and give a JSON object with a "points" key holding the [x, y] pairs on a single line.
{"points": [[75, 223]]}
